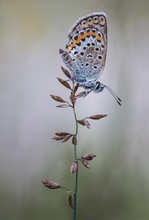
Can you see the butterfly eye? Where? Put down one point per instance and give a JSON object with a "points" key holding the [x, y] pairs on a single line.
{"points": [[98, 87]]}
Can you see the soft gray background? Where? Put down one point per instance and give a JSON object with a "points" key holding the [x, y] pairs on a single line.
{"points": [[117, 185]]}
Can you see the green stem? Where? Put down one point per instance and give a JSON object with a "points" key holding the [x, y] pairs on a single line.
{"points": [[76, 173], [75, 196]]}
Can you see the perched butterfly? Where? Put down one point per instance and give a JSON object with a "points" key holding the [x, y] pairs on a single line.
{"points": [[86, 52]]}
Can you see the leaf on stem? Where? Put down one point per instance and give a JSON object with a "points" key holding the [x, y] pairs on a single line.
{"points": [[57, 98], [64, 83], [97, 117], [67, 74]]}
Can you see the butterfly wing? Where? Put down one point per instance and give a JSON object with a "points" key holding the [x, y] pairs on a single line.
{"points": [[87, 48]]}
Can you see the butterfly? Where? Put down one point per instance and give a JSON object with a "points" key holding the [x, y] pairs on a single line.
{"points": [[86, 52]]}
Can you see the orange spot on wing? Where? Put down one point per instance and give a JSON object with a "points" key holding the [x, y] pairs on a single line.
{"points": [[70, 47], [93, 33], [99, 38], [78, 40], [103, 43], [88, 33]]}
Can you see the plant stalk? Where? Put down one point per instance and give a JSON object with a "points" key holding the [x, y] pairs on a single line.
{"points": [[76, 173]]}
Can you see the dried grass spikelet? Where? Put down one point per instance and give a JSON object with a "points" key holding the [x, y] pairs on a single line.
{"points": [[50, 184]]}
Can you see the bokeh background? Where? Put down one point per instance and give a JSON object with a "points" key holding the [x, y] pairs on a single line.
{"points": [[117, 185]]}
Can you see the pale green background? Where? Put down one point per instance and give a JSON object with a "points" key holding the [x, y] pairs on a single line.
{"points": [[117, 185]]}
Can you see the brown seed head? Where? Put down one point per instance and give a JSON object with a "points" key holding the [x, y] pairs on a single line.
{"points": [[97, 117], [74, 140], [72, 98], [81, 94], [85, 163], [74, 167], [57, 98], [50, 184], [87, 124], [88, 156], [70, 201], [67, 74], [64, 83]]}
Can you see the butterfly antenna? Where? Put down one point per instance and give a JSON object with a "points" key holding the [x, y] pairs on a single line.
{"points": [[114, 95]]}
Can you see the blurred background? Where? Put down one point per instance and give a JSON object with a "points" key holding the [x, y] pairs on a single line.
{"points": [[117, 185]]}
